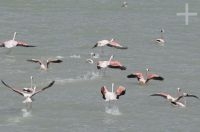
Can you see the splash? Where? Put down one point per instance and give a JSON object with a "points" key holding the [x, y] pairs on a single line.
{"points": [[17, 119], [26, 113], [59, 57], [85, 77], [111, 108], [75, 56]]}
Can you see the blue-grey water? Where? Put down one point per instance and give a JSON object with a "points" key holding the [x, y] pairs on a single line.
{"points": [[67, 29]]}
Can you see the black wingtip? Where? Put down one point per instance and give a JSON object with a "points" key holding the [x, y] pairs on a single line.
{"points": [[131, 76], [123, 68], [94, 46]]}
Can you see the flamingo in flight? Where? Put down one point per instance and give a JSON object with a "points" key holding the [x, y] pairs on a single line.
{"points": [[104, 64], [175, 100], [28, 95], [109, 43], [140, 77], [43, 65], [161, 39], [109, 96], [13, 43]]}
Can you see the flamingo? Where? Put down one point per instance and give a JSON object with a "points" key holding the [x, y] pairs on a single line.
{"points": [[13, 43], [175, 100], [109, 43], [44, 66], [109, 96], [29, 90], [142, 79], [104, 64], [28, 95], [161, 39], [116, 64]]}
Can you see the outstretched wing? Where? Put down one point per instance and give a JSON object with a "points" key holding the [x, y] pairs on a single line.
{"points": [[23, 44], [53, 61], [154, 77], [137, 75], [194, 96], [103, 91], [120, 91], [116, 45], [35, 60], [15, 90], [48, 86], [164, 95]]}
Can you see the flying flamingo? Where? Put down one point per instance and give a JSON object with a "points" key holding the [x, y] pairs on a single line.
{"points": [[109, 43], [104, 64], [28, 95], [43, 65], [109, 96], [13, 43], [140, 77], [175, 100], [161, 39]]}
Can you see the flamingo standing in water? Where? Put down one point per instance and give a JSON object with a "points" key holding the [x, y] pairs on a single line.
{"points": [[175, 100], [44, 66], [109, 96], [28, 94], [140, 77], [13, 43], [160, 40], [109, 43]]}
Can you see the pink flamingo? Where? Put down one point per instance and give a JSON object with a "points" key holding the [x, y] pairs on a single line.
{"points": [[140, 77]]}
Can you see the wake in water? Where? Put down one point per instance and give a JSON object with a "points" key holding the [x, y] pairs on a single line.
{"points": [[17, 119], [112, 108], [26, 113], [85, 77], [75, 56]]}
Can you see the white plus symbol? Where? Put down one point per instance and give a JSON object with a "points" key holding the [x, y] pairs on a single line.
{"points": [[186, 14]]}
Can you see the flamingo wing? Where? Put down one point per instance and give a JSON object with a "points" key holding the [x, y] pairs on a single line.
{"points": [[164, 95], [23, 44], [191, 95], [2, 44], [103, 91], [117, 65], [120, 91], [154, 77], [15, 90], [53, 61], [137, 75], [35, 60], [48, 86], [116, 45]]}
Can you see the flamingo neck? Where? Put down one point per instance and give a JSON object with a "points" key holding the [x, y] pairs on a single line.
{"points": [[110, 59], [14, 36], [161, 34], [146, 73], [31, 82], [112, 87]]}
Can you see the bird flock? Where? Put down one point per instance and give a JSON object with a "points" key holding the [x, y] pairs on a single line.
{"points": [[101, 65], [142, 78]]}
